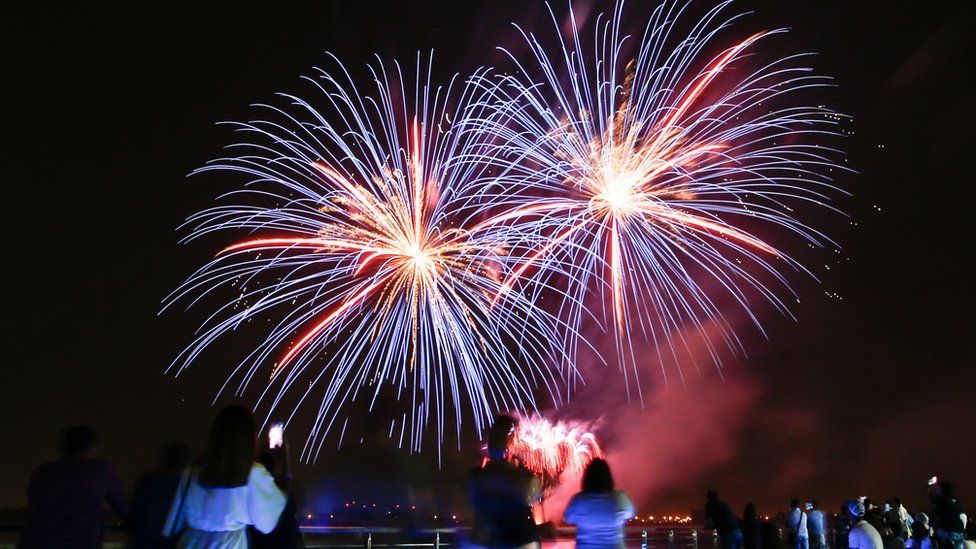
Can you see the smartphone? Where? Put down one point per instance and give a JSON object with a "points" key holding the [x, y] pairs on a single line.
{"points": [[933, 480], [809, 506], [276, 434]]}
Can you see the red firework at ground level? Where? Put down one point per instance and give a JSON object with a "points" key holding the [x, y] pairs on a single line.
{"points": [[551, 448]]}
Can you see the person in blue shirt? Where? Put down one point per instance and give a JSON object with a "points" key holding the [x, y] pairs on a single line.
{"points": [[598, 511], [817, 527], [796, 519]]}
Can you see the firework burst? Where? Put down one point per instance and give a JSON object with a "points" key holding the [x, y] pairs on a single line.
{"points": [[359, 249], [552, 448], [400, 243], [641, 180]]}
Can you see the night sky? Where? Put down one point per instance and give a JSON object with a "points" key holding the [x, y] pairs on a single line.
{"points": [[108, 109]]}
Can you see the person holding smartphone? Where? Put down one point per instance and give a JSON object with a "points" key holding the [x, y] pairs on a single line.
{"points": [[947, 520], [227, 490], [286, 534]]}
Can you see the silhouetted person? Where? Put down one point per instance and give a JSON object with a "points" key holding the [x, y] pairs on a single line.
{"points": [[842, 527], [796, 520], [153, 495], [598, 511], [751, 527], [817, 526], [904, 518], [66, 498], [971, 534], [770, 536], [862, 534], [719, 517], [921, 533], [873, 516], [502, 494], [891, 533], [947, 515], [227, 491], [286, 534]]}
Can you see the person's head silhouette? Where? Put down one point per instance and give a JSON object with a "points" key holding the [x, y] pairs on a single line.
{"points": [[231, 449], [78, 441], [500, 436], [173, 457], [597, 477], [750, 511], [855, 508]]}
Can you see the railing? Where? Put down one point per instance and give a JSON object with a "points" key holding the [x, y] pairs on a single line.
{"points": [[438, 538], [317, 536], [373, 537]]}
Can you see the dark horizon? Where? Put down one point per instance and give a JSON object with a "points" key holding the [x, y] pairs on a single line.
{"points": [[113, 106]]}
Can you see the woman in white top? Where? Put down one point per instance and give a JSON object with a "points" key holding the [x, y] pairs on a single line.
{"points": [[218, 498], [598, 511]]}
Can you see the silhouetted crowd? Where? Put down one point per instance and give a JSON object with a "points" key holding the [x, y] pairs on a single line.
{"points": [[231, 497], [237, 495], [860, 524], [503, 493]]}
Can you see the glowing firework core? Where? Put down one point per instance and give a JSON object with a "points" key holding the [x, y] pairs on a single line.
{"points": [[421, 258], [617, 194]]}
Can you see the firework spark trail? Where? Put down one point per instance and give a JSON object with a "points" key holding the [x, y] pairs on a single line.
{"points": [[551, 448], [640, 177], [361, 249], [390, 231]]}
